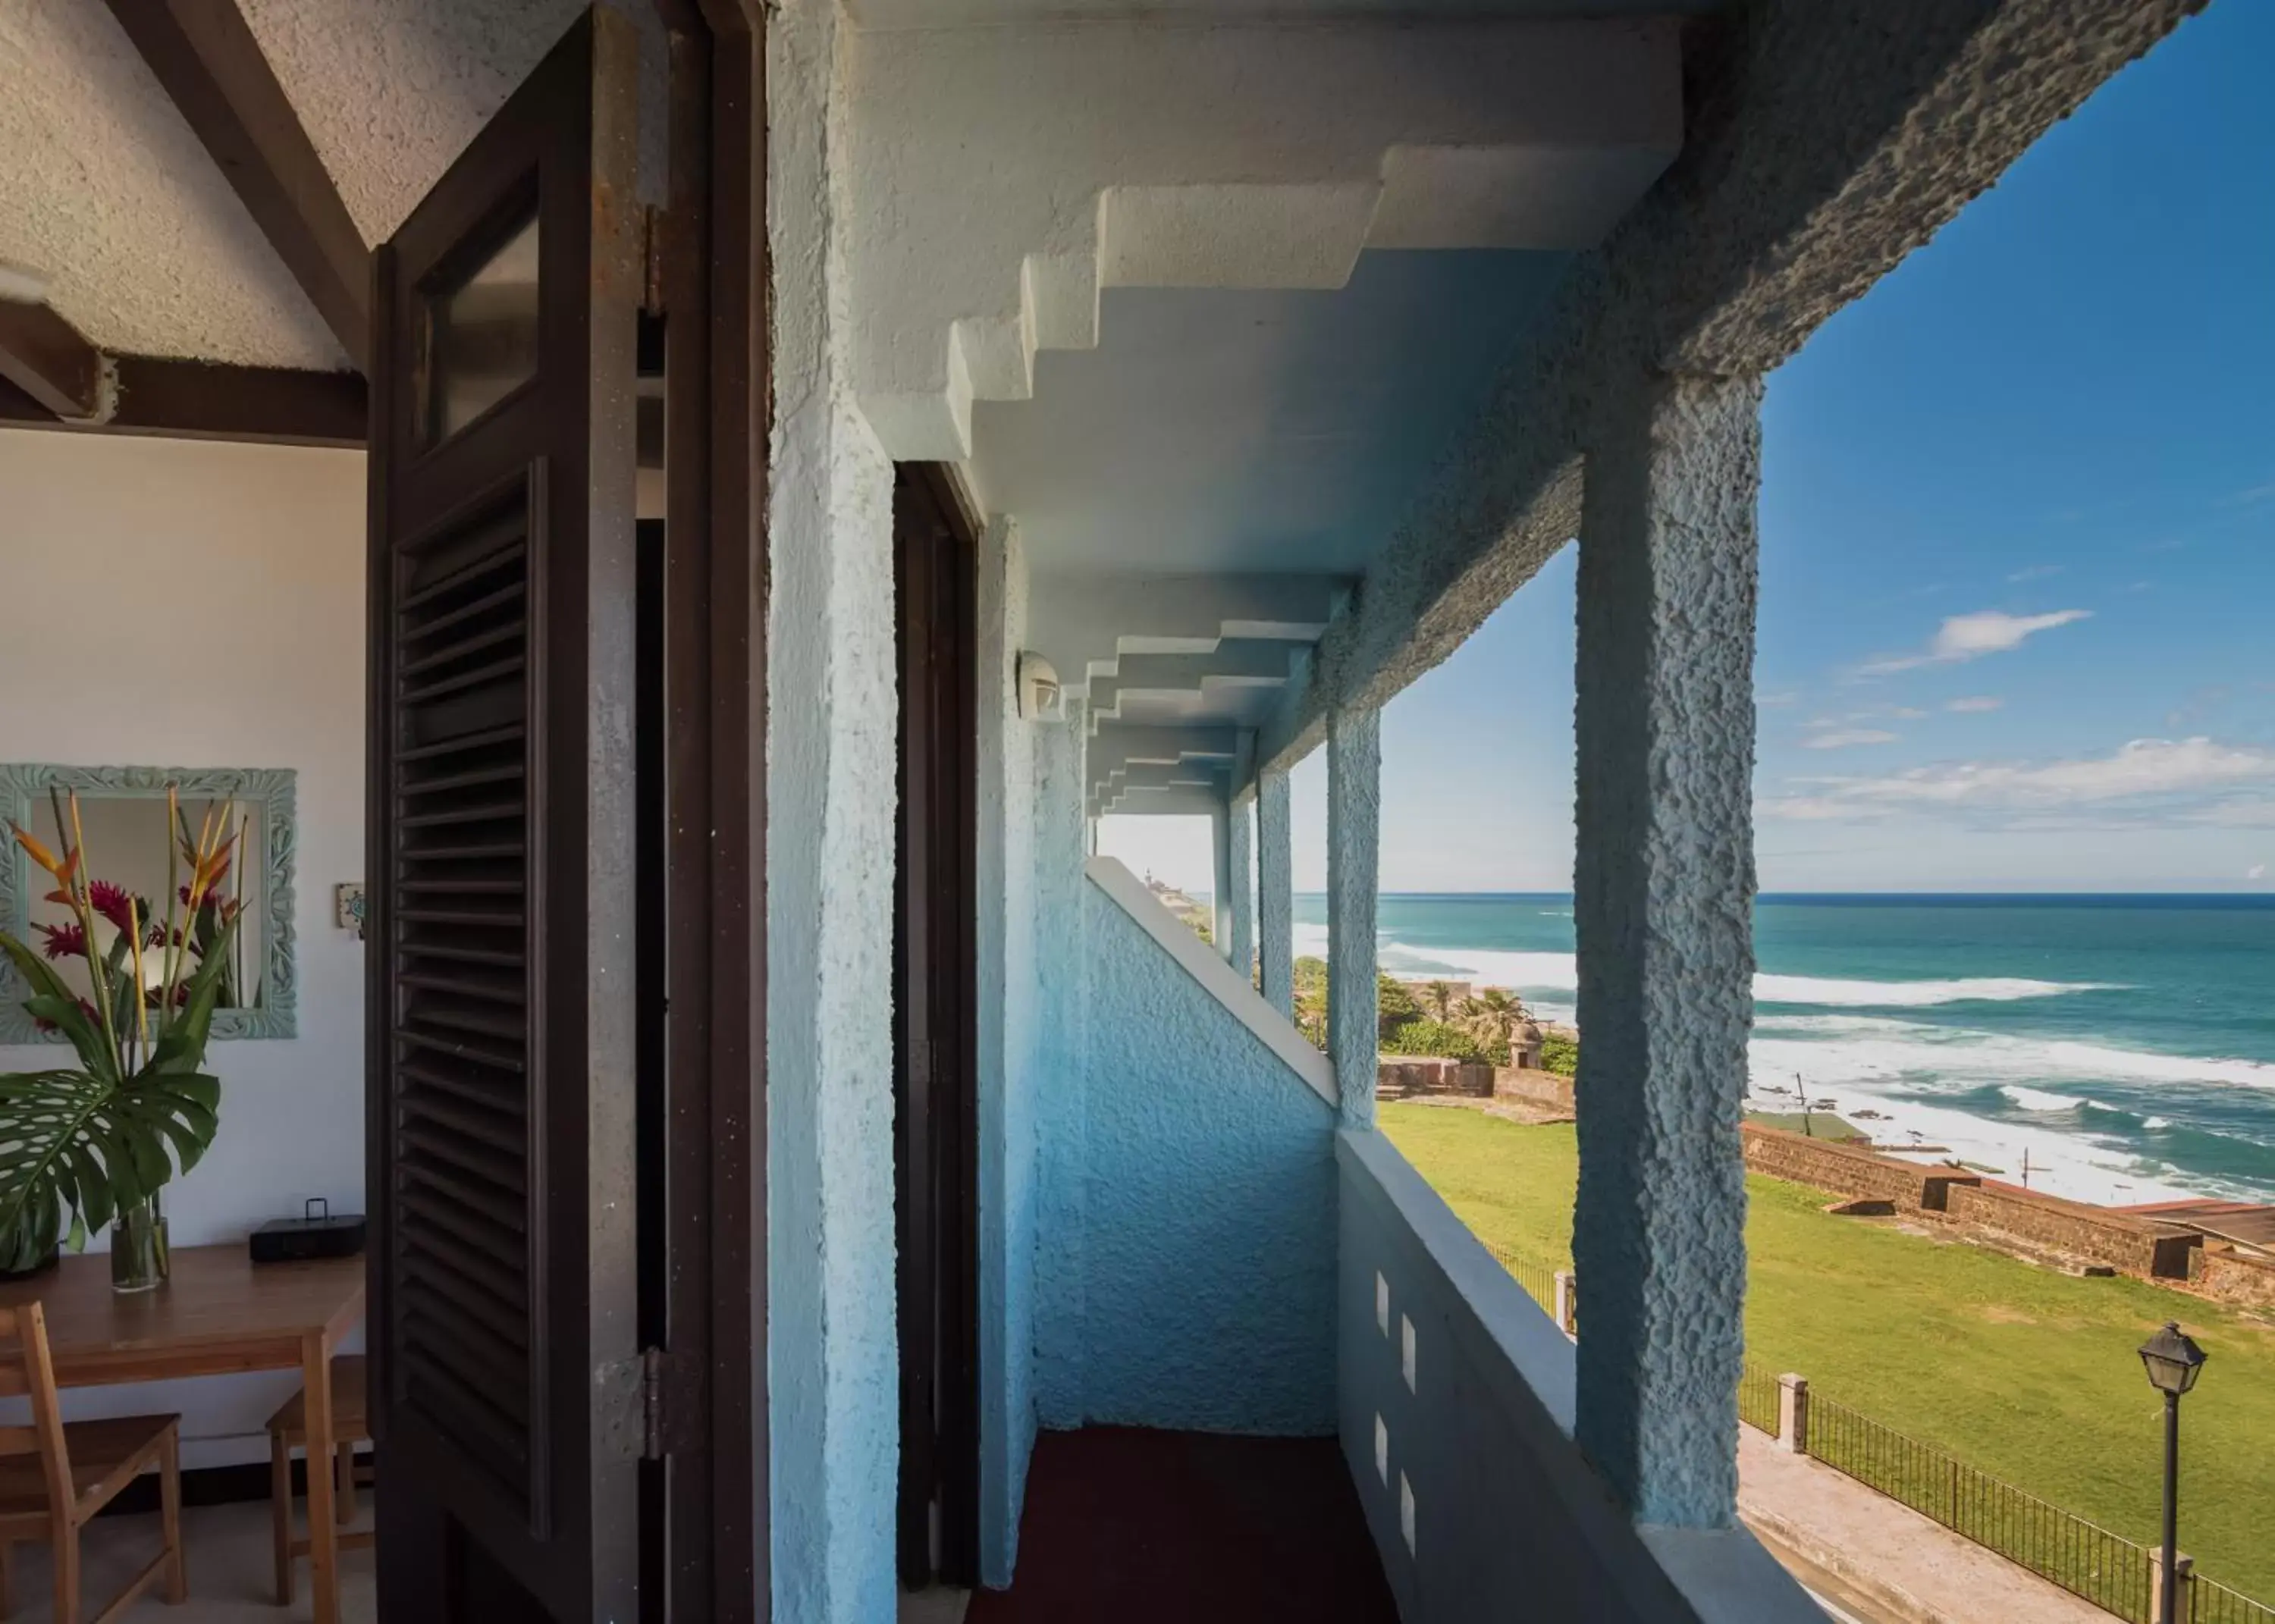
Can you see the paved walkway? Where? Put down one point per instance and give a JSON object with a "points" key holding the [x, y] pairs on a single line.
{"points": [[1892, 1564]]}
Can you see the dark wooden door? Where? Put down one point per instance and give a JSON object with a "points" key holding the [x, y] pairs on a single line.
{"points": [[935, 1043], [508, 1382]]}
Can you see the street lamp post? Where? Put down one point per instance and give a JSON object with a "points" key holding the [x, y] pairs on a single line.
{"points": [[2174, 1363]]}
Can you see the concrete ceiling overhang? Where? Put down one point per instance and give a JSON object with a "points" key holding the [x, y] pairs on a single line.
{"points": [[1198, 295], [1004, 177], [1195, 496]]}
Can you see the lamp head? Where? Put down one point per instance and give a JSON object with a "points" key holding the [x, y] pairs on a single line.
{"points": [[2173, 1362]]}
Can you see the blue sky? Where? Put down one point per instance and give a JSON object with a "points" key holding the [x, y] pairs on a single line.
{"points": [[2018, 551]]}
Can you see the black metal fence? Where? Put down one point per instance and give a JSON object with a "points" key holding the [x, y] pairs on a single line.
{"points": [[1538, 1278], [2113, 1573], [1757, 1399], [2107, 1569], [2211, 1602]]}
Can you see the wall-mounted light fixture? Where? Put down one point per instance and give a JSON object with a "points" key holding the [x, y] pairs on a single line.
{"points": [[1039, 687]]}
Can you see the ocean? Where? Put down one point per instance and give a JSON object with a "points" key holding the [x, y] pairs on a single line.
{"points": [[2125, 1043]]}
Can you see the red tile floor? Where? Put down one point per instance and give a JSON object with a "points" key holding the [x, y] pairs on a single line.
{"points": [[1123, 1525]]}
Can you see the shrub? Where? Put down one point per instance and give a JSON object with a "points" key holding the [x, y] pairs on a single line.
{"points": [[1560, 1054], [1434, 1039]]}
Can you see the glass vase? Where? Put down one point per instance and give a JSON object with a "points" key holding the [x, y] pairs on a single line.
{"points": [[139, 1260]]}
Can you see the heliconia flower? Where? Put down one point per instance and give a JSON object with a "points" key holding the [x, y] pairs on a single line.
{"points": [[208, 874], [65, 941], [63, 868], [112, 902]]}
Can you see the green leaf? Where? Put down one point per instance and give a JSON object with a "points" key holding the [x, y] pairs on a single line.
{"points": [[183, 1048], [86, 1036], [76, 1145]]}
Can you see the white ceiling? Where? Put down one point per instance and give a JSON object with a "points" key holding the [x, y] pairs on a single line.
{"points": [[969, 13], [107, 197], [1250, 431], [390, 91]]}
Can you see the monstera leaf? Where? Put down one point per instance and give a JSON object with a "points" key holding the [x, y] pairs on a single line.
{"points": [[75, 1145]]}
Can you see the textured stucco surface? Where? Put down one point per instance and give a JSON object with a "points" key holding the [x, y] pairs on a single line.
{"points": [[1190, 1280], [1822, 146], [832, 1352], [1010, 174], [1011, 1071], [390, 91], [143, 247], [1354, 841], [1663, 898], [1062, 1098], [1275, 890], [1240, 859]]}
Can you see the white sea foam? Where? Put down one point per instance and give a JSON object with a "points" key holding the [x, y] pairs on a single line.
{"points": [[1560, 972], [1910, 994], [1820, 1028], [2155, 1121], [2038, 1099], [2065, 1164], [1888, 1065], [1865, 1046]]}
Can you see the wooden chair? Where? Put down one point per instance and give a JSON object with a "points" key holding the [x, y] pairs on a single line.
{"points": [[55, 1475], [288, 1429]]}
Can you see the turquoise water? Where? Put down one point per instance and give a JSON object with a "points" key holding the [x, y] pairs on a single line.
{"points": [[2127, 1043]]}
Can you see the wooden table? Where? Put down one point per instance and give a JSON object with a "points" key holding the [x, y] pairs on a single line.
{"points": [[221, 1314]]}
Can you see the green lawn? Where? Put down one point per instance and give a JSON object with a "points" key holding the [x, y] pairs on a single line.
{"points": [[2022, 1372]]}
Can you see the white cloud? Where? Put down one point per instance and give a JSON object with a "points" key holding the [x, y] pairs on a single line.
{"points": [[2257, 870], [1841, 738], [1908, 713], [1962, 638], [2242, 814], [2142, 772], [1769, 701], [1975, 703]]}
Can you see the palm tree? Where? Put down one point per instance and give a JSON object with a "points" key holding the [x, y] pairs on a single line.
{"points": [[1495, 1014], [1438, 998]]}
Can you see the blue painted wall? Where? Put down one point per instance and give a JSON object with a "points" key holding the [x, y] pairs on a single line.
{"points": [[1011, 996], [1185, 1274]]}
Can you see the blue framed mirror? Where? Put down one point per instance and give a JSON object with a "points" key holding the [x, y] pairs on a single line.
{"points": [[123, 816]]}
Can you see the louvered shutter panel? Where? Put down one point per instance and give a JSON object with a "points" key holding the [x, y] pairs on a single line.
{"points": [[462, 1254], [500, 1008]]}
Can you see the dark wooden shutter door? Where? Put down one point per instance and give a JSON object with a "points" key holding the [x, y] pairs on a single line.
{"points": [[506, 1375]]}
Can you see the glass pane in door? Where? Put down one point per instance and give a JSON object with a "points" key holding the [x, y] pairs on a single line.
{"points": [[481, 334]]}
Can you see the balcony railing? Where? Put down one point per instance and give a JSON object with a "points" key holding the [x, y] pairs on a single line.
{"points": [[1456, 1406]]}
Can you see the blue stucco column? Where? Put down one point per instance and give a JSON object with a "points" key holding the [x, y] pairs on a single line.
{"points": [[1275, 891], [1353, 834], [1240, 947], [1220, 902], [1663, 903]]}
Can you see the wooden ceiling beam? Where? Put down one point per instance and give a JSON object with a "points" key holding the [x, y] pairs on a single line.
{"points": [[205, 55], [43, 356], [170, 399]]}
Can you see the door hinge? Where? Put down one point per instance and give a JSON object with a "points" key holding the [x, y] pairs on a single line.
{"points": [[642, 1407], [657, 1369]]}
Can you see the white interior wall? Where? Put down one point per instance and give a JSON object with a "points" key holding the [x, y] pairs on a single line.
{"points": [[169, 603]]}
